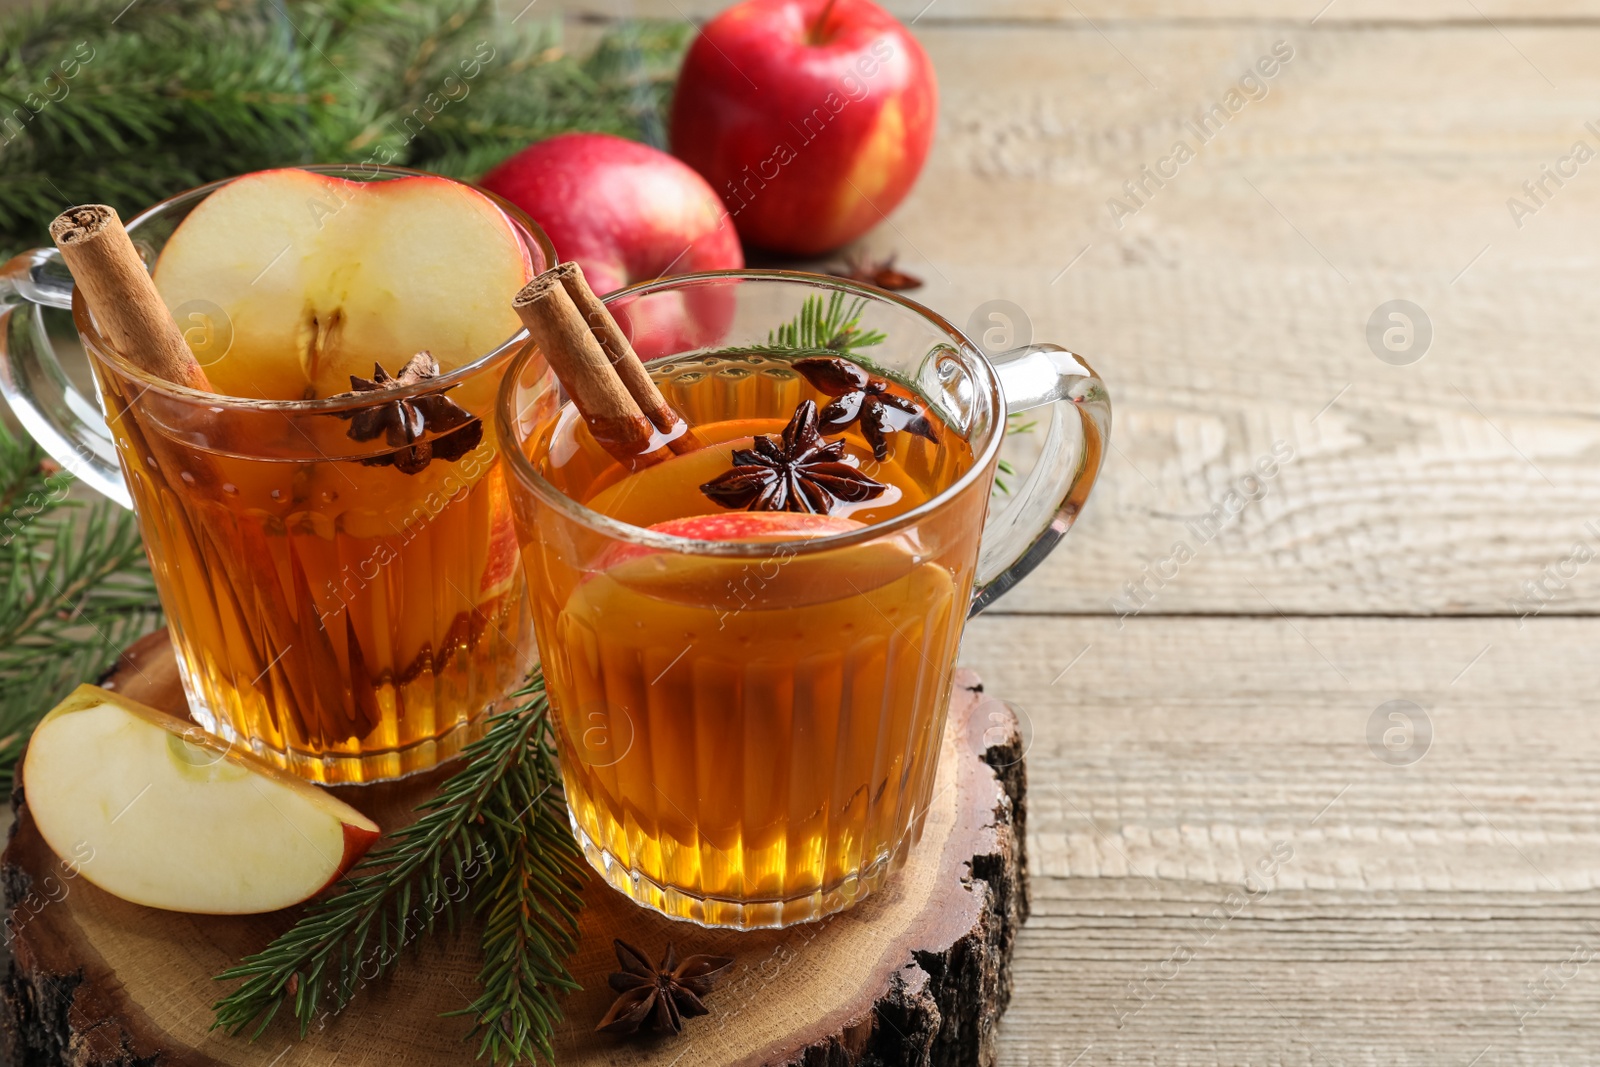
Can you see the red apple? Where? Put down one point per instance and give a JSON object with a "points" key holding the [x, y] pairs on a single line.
{"points": [[625, 211], [630, 213], [811, 118], [154, 810]]}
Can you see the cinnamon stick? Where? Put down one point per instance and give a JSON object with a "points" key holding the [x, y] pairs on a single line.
{"points": [[121, 295], [576, 356], [624, 360]]}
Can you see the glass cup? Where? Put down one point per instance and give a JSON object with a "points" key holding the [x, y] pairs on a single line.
{"points": [[749, 729], [335, 614]]}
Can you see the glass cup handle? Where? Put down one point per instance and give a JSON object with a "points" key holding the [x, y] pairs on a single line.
{"points": [[1063, 389], [67, 424]]}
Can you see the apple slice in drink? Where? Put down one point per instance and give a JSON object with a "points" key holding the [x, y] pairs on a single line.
{"points": [[503, 558], [781, 577], [729, 526], [318, 278], [158, 812]]}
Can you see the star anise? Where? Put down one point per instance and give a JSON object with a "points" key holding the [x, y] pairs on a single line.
{"points": [[803, 473], [659, 997], [880, 272], [859, 395], [403, 422]]}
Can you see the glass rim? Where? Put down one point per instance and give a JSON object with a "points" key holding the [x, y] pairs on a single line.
{"points": [[522, 468], [100, 348]]}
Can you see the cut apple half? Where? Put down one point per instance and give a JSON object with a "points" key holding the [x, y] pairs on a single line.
{"points": [[318, 278], [161, 813]]}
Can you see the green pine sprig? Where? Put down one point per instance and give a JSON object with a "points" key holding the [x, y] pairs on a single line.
{"points": [[530, 898], [833, 327], [496, 831], [106, 101], [75, 588]]}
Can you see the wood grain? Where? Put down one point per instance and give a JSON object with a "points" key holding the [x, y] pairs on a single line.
{"points": [[1229, 314], [1436, 913], [1117, 13], [917, 974], [1418, 903]]}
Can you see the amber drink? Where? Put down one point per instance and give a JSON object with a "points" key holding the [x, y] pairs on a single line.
{"points": [[348, 622], [749, 629], [750, 632], [329, 527], [755, 737]]}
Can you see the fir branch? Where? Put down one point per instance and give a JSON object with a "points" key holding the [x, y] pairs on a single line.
{"points": [[498, 822], [74, 589], [128, 107], [526, 925], [1005, 469], [831, 328], [834, 328]]}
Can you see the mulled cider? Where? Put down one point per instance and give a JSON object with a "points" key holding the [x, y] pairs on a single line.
{"points": [[749, 644], [328, 524]]}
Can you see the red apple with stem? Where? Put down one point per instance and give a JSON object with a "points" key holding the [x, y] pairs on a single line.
{"points": [[810, 118]]}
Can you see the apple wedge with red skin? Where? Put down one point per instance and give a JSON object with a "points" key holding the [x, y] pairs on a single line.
{"points": [[779, 579], [736, 526], [156, 811], [500, 567]]}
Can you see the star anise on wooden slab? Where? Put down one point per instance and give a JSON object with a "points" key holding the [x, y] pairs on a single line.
{"points": [[802, 473], [402, 422], [858, 395], [879, 272], [659, 998]]}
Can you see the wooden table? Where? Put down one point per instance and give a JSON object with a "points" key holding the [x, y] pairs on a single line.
{"points": [[1230, 864], [1432, 910]]}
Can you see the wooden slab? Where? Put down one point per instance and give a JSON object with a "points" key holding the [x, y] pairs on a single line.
{"points": [[918, 974], [1429, 911]]}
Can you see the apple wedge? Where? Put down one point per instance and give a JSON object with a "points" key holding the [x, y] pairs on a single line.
{"points": [[787, 578], [503, 560], [321, 277], [161, 813]]}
